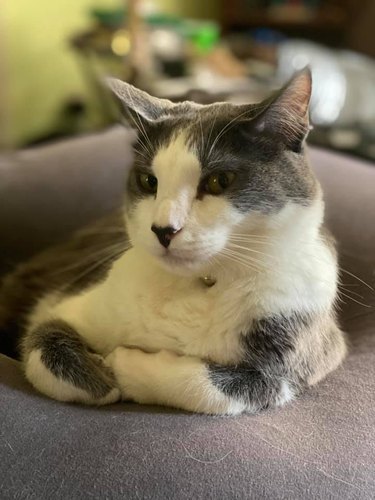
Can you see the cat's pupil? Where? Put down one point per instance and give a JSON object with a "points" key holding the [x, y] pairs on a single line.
{"points": [[223, 180], [152, 181]]}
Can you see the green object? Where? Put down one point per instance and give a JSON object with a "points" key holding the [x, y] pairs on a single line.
{"points": [[204, 35]]}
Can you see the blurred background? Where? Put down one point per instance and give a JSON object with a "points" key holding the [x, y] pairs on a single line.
{"points": [[53, 55]]}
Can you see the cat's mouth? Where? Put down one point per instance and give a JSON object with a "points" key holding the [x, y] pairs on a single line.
{"points": [[182, 261], [179, 259]]}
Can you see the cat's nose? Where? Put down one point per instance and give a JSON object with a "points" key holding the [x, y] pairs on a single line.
{"points": [[165, 234]]}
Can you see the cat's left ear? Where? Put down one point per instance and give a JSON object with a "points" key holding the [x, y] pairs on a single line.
{"points": [[287, 116], [138, 103]]}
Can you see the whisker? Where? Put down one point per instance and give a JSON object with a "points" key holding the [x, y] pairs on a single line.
{"points": [[201, 126], [244, 260], [246, 257], [250, 235], [212, 125], [356, 277], [101, 262], [251, 241], [231, 258], [354, 300], [141, 153], [141, 127], [232, 245], [227, 127], [340, 287], [245, 235], [144, 146], [104, 251], [109, 229]]}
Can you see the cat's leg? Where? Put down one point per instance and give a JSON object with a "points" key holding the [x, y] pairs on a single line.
{"points": [[191, 384], [60, 365], [281, 355], [262, 378]]}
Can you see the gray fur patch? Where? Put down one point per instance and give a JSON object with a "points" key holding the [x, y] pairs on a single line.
{"points": [[280, 352], [260, 379], [65, 355]]}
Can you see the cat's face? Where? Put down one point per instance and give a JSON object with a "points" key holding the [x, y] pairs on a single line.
{"points": [[204, 176]]}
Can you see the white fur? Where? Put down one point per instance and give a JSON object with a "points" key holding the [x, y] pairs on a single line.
{"points": [[178, 172], [153, 299], [286, 394], [168, 379]]}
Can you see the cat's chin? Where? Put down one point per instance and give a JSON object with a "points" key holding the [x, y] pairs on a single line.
{"points": [[182, 266]]}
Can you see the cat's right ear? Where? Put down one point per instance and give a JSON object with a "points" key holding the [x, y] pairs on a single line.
{"points": [[286, 115], [138, 104]]}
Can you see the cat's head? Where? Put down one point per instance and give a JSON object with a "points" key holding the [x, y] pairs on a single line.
{"points": [[206, 176]]}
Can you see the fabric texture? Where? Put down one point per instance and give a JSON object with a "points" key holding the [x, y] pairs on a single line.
{"points": [[48, 192], [319, 447]]}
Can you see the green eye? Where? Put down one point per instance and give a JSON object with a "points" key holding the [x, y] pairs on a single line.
{"points": [[148, 183], [218, 183]]}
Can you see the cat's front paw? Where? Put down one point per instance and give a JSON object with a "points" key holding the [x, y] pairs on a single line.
{"points": [[136, 371]]}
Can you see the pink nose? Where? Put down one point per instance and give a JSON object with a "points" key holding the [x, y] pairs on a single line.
{"points": [[164, 234]]}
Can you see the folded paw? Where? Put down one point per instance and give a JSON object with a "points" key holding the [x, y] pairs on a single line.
{"points": [[136, 372]]}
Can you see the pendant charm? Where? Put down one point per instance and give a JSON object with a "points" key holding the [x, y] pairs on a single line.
{"points": [[208, 281]]}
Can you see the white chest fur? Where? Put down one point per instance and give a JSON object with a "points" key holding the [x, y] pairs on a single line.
{"points": [[142, 305]]}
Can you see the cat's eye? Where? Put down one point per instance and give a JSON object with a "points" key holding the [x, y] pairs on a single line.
{"points": [[217, 183], [147, 183]]}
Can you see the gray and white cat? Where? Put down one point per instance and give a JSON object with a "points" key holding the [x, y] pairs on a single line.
{"points": [[224, 301]]}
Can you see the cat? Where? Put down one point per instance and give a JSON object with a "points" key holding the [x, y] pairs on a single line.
{"points": [[213, 289]]}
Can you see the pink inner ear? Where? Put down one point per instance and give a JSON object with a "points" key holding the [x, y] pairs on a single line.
{"points": [[295, 98]]}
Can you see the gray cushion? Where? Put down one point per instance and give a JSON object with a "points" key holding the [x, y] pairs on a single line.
{"points": [[48, 192], [320, 447]]}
